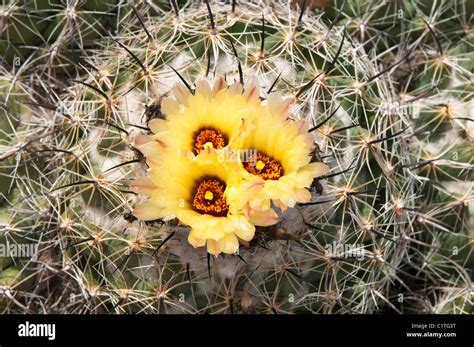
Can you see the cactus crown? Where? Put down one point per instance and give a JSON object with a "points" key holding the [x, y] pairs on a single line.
{"points": [[382, 89]]}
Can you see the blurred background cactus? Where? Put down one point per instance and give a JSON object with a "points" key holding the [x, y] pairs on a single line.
{"points": [[384, 86]]}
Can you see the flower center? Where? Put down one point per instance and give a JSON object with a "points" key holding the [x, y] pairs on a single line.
{"points": [[208, 138], [210, 199], [264, 166]]}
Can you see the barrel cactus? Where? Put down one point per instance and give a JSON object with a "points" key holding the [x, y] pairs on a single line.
{"points": [[358, 196]]}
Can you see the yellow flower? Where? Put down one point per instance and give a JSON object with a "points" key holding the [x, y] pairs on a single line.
{"points": [[197, 171], [196, 191], [280, 170], [212, 119], [208, 119]]}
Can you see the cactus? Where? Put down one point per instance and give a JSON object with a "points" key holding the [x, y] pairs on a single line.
{"points": [[50, 37], [388, 228]]}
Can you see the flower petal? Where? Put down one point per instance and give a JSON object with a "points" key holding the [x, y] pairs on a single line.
{"points": [[169, 106], [202, 87], [213, 247], [147, 211], [252, 91], [218, 85], [142, 185], [303, 195], [279, 105], [181, 93], [229, 244], [157, 125], [236, 88], [317, 169], [152, 149], [195, 241], [142, 139], [265, 218], [244, 229]]}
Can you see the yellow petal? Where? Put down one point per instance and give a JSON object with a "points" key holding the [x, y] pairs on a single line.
{"points": [[147, 211], [157, 125], [181, 93], [279, 105], [303, 129], [202, 87], [265, 218], [152, 149], [252, 91], [213, 247], [244, 229], [169, 106], [303, 195], [218, 85], [229, 244], [317, 169], [142, 185], [140, 140], [195, 241], [235, 88], [282, 206]]}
